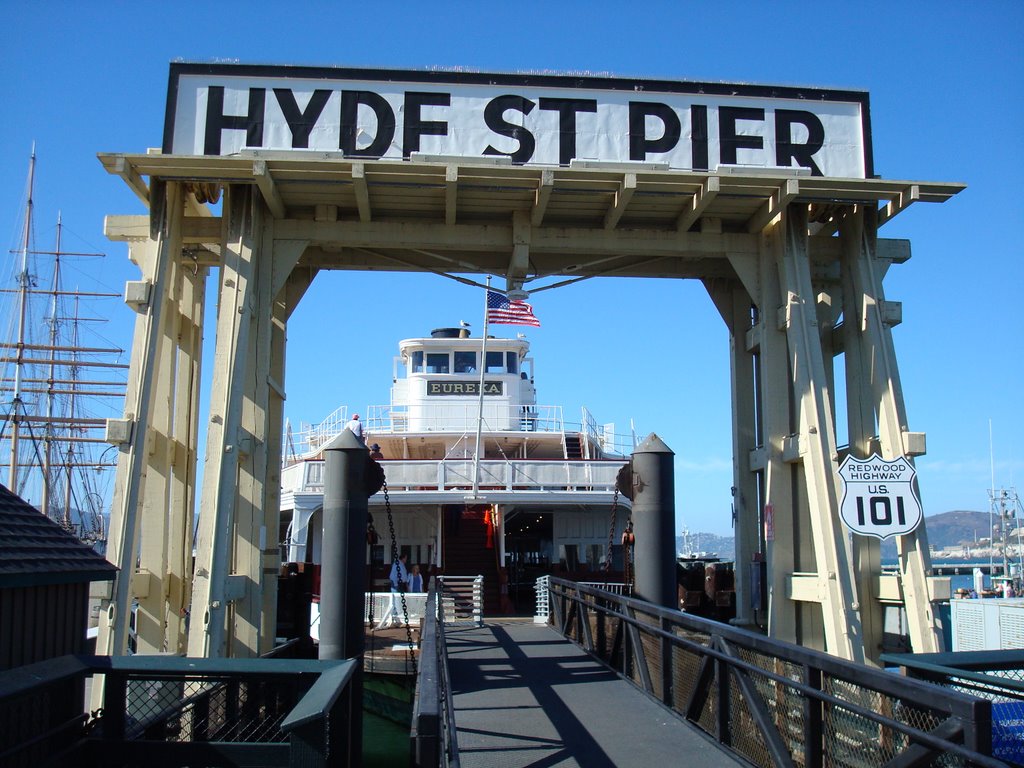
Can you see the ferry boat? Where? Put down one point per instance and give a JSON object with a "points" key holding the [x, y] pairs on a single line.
{"points": [[538, 497]]}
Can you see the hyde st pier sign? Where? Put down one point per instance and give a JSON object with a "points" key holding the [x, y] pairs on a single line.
{"points": [[550, 120]]}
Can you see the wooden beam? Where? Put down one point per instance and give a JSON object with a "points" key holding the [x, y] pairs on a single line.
{"points": [[123, 167], [900, 203], [519, 264], [622, 197], [265, 181], [362, 193], [194, 229], [773, 206], [451, 193], [698, 203], [541, 197]]}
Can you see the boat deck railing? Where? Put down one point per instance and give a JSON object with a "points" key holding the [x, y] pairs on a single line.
{"points": [[773, 702], [382, 420], [457, 474]]}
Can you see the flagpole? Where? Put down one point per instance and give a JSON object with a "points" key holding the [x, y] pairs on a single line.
{"points": [[480, 411]]}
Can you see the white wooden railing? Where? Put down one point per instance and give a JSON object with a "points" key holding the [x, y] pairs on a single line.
{"points": [[455, 474]]}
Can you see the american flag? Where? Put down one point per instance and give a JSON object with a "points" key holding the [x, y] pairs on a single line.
{"points": [[501, 311]]}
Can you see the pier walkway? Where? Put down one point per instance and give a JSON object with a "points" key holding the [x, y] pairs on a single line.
{"points": [[526, 696]]}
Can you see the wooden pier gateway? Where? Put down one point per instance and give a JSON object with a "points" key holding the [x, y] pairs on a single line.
{"points": [[765, 195]]}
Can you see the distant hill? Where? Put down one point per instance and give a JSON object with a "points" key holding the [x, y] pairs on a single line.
{"points": [[944, 530], [948, 530]]}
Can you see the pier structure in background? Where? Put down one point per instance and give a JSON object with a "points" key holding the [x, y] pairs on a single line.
{"points": [[782, 232]]}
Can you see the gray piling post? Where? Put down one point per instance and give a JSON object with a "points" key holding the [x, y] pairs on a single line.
{"points": [[343, 569], [343, 560], [654, 516]]}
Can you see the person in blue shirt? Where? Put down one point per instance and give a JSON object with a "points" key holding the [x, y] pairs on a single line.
{"points": [[399, 574], [415, 580]]}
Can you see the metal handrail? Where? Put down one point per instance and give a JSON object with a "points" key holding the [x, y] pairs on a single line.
{"points": [[588, 615], [434, 735]]}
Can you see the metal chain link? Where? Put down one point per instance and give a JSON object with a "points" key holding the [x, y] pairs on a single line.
{"points": [[371, 538], [401, 590], [611, 531]]}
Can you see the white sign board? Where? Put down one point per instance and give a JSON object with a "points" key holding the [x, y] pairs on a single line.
{"points": [[879, 498], [550, 120]]}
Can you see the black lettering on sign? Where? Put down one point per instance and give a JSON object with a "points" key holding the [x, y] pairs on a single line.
{"points": [[217, 121], [639, 144], [786, 150], [567, 109], [494, 116], [415, 126], [699, 137], [301, 121], [350, 102], [729, 139]]}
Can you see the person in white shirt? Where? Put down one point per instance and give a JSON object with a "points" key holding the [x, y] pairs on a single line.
{"points": [[355, 426]]}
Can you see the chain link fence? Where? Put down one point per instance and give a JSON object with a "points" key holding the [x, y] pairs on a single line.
{"points": [[775, 703]]}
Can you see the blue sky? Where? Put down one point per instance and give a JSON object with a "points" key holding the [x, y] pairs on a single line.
{"points": [[947, 104]]}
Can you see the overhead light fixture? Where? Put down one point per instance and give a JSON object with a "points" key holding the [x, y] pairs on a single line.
{"points": [[517, 294], [763, 170], [627, 165], [427, 157]]}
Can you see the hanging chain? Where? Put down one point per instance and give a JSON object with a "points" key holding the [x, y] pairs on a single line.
{"points": [[371, 539], [401, 587], [628, 549], [611, 533]]}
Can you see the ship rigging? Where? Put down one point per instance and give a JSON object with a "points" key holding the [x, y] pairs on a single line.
{"points": [[59, 381]]}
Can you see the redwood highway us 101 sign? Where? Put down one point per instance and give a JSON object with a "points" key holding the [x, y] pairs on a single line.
{"points": [[879, 497]]}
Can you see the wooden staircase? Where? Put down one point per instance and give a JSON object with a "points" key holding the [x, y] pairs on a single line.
{"points": [[465, 551]]}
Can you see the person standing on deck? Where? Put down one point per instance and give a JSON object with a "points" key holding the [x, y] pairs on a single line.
{"points": [[399, 574], [399, 579], [355, 426], [415, 580]]}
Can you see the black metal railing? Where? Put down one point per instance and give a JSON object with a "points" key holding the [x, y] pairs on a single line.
{"points": [[774, 703], [162, 710], [434, 738], [994, 675]]}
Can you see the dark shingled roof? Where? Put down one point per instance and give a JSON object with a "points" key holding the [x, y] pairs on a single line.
{"points": [[34, 550]]}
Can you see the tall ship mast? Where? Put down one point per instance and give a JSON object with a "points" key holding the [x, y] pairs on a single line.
{"points": [[60, 379]]}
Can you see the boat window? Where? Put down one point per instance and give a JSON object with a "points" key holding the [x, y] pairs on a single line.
{"points": [[417, 361], [314, 473], [512, 361], [465, 362], [495, 362], [437, 362]]}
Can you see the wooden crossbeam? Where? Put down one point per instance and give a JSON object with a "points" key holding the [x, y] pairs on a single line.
{"points": [[622, 197], [451, 193], [773, 206], [541, 197], [362, 193], [698, 203], [267, 187], [900, 203]]}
